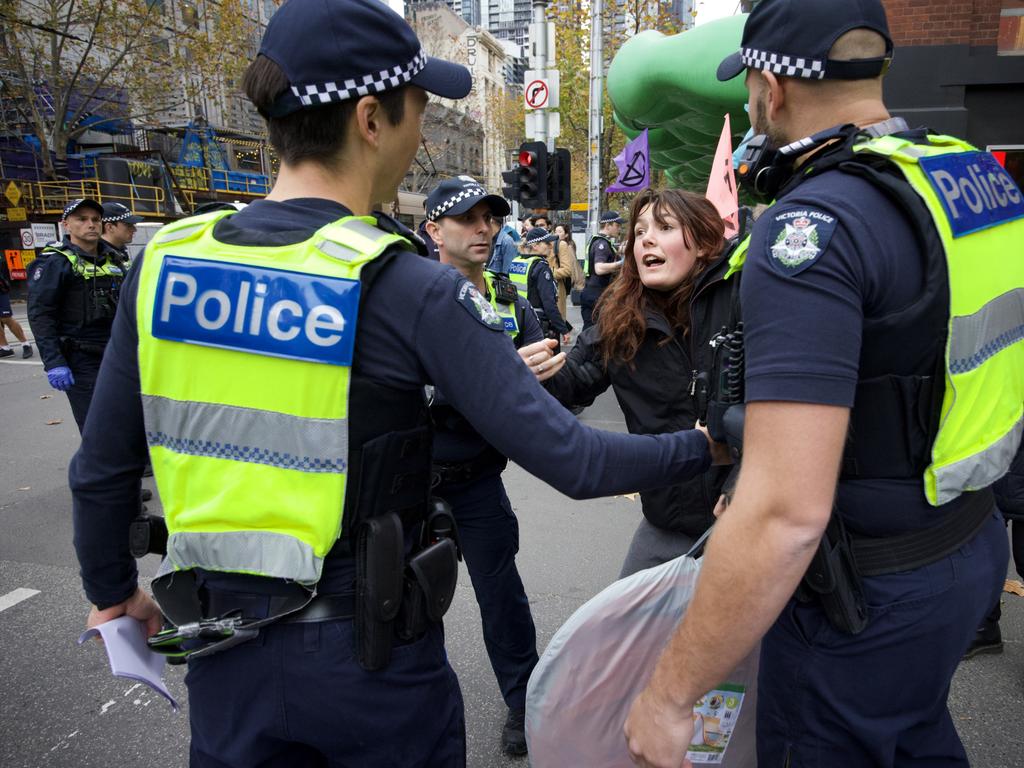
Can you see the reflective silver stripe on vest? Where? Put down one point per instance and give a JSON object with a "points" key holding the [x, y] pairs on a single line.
{"points": [[337, 251], [246, 434], [981, 469], [181, 234], [975, 338], [268, 554], [363, 229]]}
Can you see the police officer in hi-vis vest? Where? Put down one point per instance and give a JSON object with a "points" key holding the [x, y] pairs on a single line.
{"points": [[467, 469], [531, 275], [72, 297], [273, 361], [882, 315]]}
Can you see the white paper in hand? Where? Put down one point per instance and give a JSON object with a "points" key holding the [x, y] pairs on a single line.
{"points": [[602, 658], [125, 641]]}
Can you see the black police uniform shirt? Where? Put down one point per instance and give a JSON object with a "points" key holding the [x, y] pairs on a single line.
{"points": [[57, 302], [831, 252], [421, 323], [455, 439], [600, 253]]}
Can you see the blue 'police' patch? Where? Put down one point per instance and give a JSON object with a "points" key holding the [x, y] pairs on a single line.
{"points": [[518, 268], [510, 324], [263, 311], [470, 299], [975, 190], [797, 237]]}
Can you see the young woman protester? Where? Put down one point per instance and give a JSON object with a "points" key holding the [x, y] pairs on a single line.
{"points": [[649, 343]]}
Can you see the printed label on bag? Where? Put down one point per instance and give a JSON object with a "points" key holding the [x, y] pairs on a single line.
{"points": [[714, 718]]}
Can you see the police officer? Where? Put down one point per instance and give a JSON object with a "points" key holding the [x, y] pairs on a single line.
{"points": [[602, 264], [307, 569], [119, 227], [72, 298], [531, 274], [468, 470], [887, 253]]}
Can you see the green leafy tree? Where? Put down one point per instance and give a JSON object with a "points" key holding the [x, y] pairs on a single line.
{"points": [[622, 19], [61, 61]]}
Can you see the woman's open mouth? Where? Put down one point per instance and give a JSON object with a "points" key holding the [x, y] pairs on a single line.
{"points": [[651, 260]]}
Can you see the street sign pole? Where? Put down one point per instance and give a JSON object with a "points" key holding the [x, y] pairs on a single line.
{"points": [[596, 77], [540, 90]]}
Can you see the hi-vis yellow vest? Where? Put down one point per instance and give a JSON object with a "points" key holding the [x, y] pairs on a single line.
{"points": [[245, 358], [519, 274], [978, 211], [507, 312]]}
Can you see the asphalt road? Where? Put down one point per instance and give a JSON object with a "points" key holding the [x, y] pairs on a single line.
{"points": [[59, 706]]}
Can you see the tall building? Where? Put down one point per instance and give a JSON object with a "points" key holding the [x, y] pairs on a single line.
{"points": [[509, 20], [467, 10]]}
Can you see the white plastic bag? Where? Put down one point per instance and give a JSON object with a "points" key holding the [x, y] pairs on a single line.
{"points": [[600, 660]]}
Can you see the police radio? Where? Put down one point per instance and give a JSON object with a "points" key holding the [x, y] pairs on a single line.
{"points": [[763, 170], [505, 291]]}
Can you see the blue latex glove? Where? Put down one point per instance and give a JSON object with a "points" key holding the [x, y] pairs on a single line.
{"points": [[60, 378]]}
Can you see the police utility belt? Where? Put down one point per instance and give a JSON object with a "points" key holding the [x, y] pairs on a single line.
{"points": [[70, 344]]}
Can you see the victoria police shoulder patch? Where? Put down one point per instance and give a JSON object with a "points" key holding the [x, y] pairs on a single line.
{"points": [[477, 305], [797, 237]]}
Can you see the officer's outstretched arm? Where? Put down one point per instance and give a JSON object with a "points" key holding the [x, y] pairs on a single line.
{"points": [[489, 385]]}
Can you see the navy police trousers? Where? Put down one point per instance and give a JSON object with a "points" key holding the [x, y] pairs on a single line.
{"points": [[489, 535], [295, 697], [832, 700]]}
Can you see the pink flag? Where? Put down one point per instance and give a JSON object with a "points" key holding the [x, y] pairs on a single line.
{"points": [[722, 182]]}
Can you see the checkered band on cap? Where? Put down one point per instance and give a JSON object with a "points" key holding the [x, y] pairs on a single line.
{"points": [[543, 239], [782, 64], [349, 88], [120, 217], [439, 210]]}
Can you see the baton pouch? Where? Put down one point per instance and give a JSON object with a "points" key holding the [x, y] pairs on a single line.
{"points": [[430, 582], [379, 549], [833, 578]]}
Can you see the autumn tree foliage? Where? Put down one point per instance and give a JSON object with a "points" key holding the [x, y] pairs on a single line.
{"points": [[68, 66]]}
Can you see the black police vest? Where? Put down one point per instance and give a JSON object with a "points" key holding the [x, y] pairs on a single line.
{"points": [[390, 439]]}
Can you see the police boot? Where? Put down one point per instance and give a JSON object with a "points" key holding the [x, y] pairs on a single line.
{"points": [[988, 639], [513, 733]]}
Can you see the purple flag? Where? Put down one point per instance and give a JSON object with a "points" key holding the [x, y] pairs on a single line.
{"points": [[634, 164]]}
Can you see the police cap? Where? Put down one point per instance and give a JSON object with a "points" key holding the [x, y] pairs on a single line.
{"points": [[539, 235], [457, 195], [610, 217], [114, 213], [81, 202], [792, 38], [335, 50]]}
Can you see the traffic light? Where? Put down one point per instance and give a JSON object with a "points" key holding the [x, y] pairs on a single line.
{"points": [[559, 180], [533, 174], [510, 189]]}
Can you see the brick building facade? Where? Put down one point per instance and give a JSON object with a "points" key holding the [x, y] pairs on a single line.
{"points": [[959, 69]]}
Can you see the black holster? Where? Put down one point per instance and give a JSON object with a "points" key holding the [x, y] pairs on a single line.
{"points": [[833, 579], [431, 574], [379, 553]]}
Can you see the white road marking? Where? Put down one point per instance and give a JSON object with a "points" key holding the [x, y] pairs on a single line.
{"points": [[15, 597], [105, 707]]}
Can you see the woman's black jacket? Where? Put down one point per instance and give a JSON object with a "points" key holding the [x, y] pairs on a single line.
{"points": [[658, 394]]}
